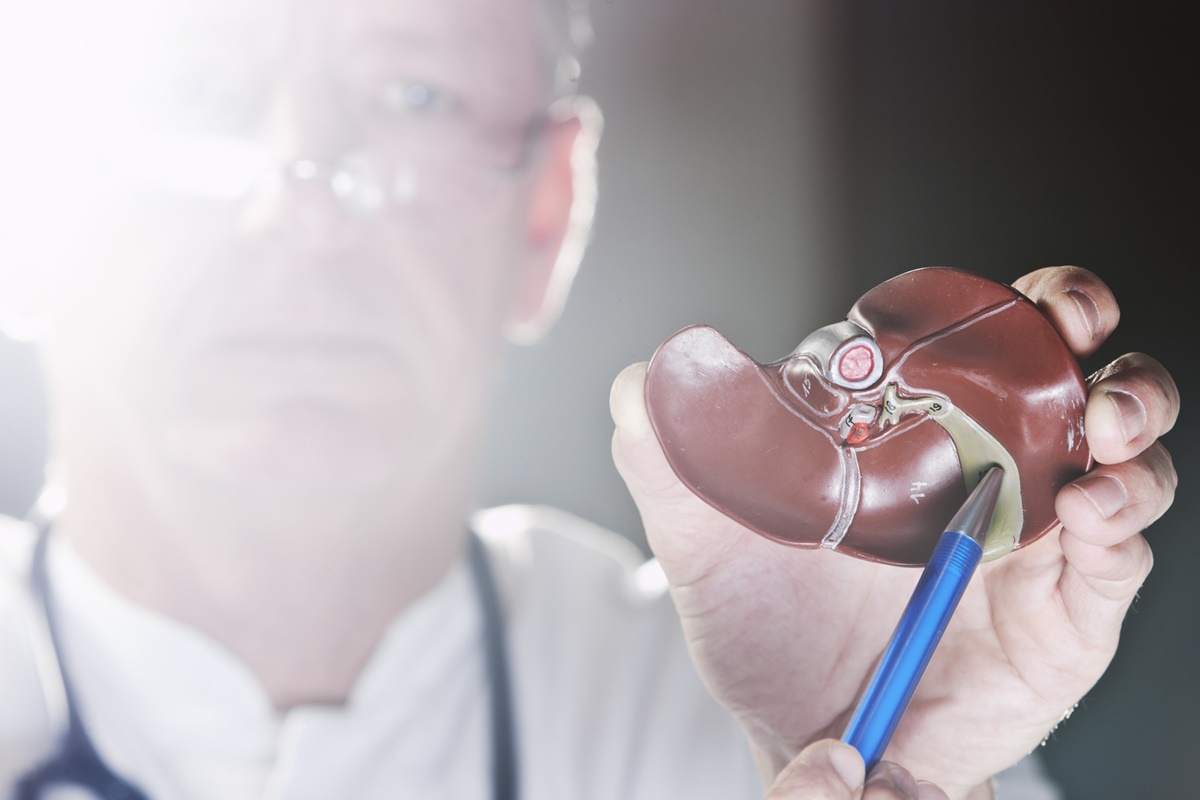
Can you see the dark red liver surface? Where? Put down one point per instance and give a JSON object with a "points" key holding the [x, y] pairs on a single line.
{"points": [[761, 443]]}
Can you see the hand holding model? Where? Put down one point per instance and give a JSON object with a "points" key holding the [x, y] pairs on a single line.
{"points": [[786, 637]]}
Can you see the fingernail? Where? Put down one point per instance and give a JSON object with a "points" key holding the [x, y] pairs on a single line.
{"points": [[1104, 492], [890, 776], [847, 763], [929, 791], [1131, 414], [1088, 310]]}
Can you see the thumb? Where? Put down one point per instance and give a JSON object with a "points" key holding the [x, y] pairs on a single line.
{"points": [[636, 452], [678, 524], [825, 770]]}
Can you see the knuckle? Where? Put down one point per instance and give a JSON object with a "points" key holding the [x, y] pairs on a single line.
{"points": [[1070, 277], [1165, 477], [1152, 482], [1159, 461], [1157, 475], [1060, 277], [1076, 301], [1139, 369], [1132, 561]]}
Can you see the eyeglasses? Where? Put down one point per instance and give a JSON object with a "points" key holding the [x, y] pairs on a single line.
{"points": [[416, 133], [396, 144], [424, 167]]}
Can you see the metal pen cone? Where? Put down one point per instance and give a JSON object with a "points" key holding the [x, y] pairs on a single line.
{"points": [[975, 516]]}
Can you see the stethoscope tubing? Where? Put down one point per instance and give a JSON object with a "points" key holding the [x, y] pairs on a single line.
{"points": [[76, 761]]}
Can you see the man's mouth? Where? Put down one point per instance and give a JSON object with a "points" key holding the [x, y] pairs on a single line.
{"points": [[265, 366]]}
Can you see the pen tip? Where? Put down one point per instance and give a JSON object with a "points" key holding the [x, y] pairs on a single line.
{"points": [[975, 516]]}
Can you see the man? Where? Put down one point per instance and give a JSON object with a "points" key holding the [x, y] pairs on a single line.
{"points": [[268, 368]]}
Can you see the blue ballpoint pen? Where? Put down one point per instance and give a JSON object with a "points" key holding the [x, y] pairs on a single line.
{"points": [[942, 583]]}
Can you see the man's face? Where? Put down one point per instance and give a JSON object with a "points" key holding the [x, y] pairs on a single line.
{"points": [[310, 337]]}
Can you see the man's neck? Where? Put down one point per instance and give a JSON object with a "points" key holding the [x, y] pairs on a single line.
{"points": [[301, 592]]}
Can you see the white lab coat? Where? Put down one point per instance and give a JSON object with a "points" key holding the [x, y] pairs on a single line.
{"points": [[607, 703]]}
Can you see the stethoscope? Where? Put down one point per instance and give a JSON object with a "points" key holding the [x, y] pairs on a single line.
{"points": [[77, 763]]}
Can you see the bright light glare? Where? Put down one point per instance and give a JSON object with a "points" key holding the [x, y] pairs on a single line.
{"points": [[78, 89], [70, 75], [205, 165], [73, 79]]}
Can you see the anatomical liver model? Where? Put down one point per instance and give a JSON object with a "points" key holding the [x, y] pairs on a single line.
{"points": [[869, 436]]}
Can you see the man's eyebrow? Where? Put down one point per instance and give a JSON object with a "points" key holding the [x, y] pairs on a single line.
{"points": [[397, 38]]}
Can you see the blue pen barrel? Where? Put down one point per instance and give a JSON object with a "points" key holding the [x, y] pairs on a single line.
{"points": [[925, 618]]}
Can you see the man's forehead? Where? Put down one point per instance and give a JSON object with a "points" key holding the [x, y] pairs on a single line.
{"points": [[498, 26], [489, 48], [480, 21]]}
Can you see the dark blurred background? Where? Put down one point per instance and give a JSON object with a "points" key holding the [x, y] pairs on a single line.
{"points": [[1004, 136], [766, 162]]}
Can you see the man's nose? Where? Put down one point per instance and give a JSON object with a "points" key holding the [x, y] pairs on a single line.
{"points": [[308, 134], [306, 117]]}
